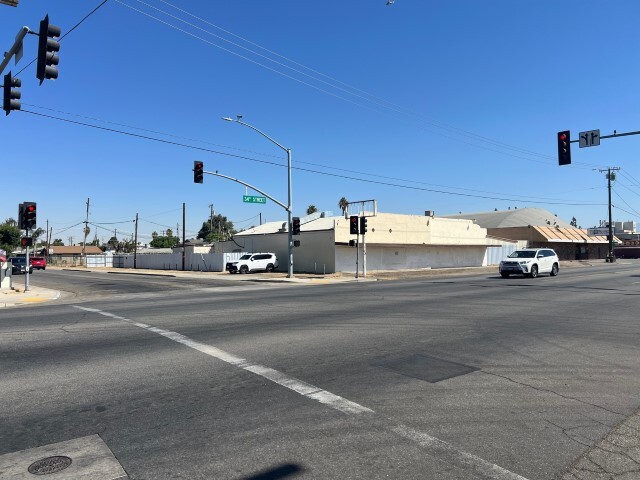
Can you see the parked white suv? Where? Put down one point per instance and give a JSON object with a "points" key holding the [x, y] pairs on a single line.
{"points": [[531, 262], [254, 262]]}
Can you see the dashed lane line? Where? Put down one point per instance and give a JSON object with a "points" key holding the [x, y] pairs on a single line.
{"points": [[479, 466]]}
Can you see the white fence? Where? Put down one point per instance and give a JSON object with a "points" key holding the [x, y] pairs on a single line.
{"points": [[197, 262]]}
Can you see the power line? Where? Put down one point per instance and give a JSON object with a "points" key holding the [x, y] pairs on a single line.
{"points": [[70, 30], [308, 170], [299, 162], [446, 128]]}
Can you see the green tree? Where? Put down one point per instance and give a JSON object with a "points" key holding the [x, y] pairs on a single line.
{"points": [[37, 233], [160, 241], [58, 242], [311, 209], [9, 237], [343, 204], [574, 222], [222, 229]]}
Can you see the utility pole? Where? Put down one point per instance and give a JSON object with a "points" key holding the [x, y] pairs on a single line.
{"points": [[610, 176], [46, 240], [84, 244], [210, 220], [184, 247], [135, 245]]}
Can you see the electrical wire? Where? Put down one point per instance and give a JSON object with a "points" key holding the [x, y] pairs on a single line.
{"points": [[382, 102], [70, 30], [625, 202], [67, 228], [486, 140], [301, 162], [308, 170]]}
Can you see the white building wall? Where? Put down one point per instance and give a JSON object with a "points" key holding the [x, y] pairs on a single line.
{"points": [[411, 257], [197, 262], [314, 255]]}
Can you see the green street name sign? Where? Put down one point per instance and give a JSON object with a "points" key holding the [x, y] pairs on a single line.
{"points": [[253, 199]]}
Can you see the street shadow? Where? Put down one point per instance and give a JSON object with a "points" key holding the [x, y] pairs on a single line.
{"points": [[275, 473]]}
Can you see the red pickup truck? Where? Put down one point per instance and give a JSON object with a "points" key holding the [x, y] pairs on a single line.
{"points": [[39, 263]]}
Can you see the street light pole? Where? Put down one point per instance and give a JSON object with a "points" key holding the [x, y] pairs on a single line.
{"points": [[289, 203]]}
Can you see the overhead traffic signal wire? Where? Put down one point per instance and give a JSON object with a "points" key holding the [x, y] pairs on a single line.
{"points": [[335, 175], [302, 162], [68, 32]]}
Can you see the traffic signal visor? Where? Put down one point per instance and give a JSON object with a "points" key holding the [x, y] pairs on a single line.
{"points": [[564, 147], [353, 225], [198, 172]]}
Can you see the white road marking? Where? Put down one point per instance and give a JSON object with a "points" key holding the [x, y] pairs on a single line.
{"points": [[453, 455], [298, 386], [466, 460]]}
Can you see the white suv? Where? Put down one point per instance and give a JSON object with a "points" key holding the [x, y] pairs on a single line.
{"points": [[254, 262], [531, 262]]}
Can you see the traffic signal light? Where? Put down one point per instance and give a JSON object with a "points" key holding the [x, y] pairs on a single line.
{"points": [[29, 215], [564, 148], [363, 225], [47, 46], [296, 226], [26, 242], [353, 225], [11, 94], [352, 243], [198, 172]]}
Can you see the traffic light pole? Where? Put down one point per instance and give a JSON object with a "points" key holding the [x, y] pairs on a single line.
{"points": [[364, 256], [357, 255], [26, 272], [289, 207]]}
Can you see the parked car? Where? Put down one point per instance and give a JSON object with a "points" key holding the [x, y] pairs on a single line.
{"points": [[39, 263], [254, 262], [530, 262], [19, 265]]}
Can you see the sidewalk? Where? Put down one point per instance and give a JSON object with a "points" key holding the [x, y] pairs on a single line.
{"points": [[17, 296]]}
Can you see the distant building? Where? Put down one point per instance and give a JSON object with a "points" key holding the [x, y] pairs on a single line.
{"points": [[541, 229], [70, 255]]}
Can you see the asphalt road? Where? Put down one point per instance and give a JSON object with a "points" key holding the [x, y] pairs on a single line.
{"points": [[436, 378]]}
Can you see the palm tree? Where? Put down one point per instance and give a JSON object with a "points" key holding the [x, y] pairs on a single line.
{"points": [[311, 209], [343, 203]]}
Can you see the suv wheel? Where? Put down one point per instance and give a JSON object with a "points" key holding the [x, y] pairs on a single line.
{"points": [[504, 274], [270, 267], [534, 271], [244, 269], [554, 270]]}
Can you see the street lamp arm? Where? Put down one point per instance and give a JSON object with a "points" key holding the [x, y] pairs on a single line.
{"points": [[261, 133], [250, 186]]}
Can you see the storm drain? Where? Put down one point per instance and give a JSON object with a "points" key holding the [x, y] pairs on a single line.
{"points": [[49, 465], [429, 369]]}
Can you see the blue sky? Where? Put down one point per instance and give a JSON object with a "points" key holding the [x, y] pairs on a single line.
{"points": [[447, 106]]}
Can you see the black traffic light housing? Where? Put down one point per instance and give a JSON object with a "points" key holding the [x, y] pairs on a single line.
{"points": [[296, 226], [29, 214], [26, 242], [198, 172], [363, 225], [353, 225], [564, 147], [10, 93], [47, 46]]}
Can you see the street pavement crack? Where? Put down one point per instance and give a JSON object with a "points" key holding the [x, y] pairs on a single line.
{"points": [[547, 390]]}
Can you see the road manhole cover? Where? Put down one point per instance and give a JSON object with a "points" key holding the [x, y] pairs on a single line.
{"points": [[49, 465]]}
